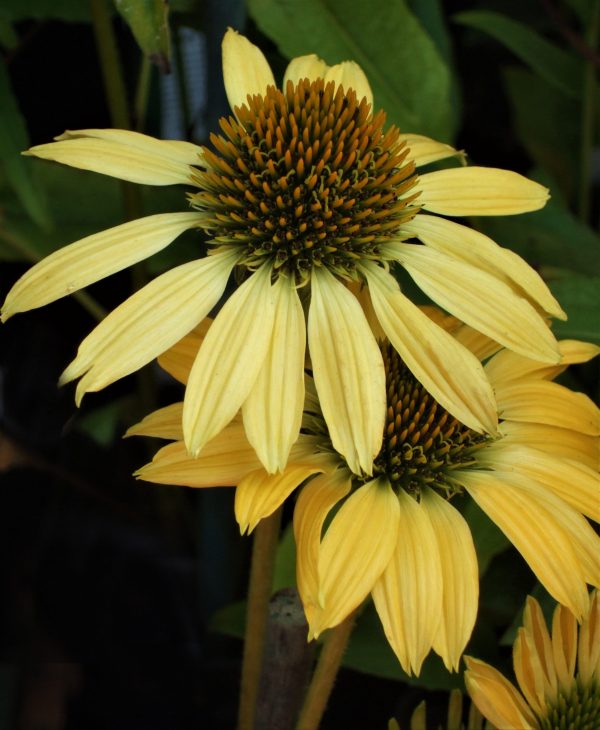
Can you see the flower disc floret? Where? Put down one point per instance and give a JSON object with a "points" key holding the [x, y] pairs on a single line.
{"points": [[306, 177]]}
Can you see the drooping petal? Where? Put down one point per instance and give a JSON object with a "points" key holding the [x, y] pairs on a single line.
{"points": [[273, 410], [314, 503], [178, 360], [229, 360], [350, 75], [479, 299], [479, 191], [348, 371], [588, 654], [408, 596], [224, 462], [507, 366], [472, 247], [366, 526], [424, 150], [165, 423], [186, 153], [149, 322], [561, 442], [550, 403], [496, 698], [460, 578], [93, 258], [575, 483], [451, 374], [528, 671], [245, 69], [564, 647], [548, 548], [259, 494], [309, 67], [533, 658], [123, 154]]}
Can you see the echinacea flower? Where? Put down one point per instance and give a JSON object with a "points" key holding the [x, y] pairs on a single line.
{"points": [[558, 674], [396, 534], [302, 192], [454, 720]]}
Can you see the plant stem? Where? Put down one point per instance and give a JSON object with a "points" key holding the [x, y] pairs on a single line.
{"points": [[587, 118], [323, 679], [141, 94], [259, 592]]}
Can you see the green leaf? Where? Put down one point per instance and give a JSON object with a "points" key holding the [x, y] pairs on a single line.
{"points": [[431, 16], [230, 620], [549, 237], [580, 298], [104, 424], [489, 540], [13, 140], [556, 66], [8, 37], [370, 652], [148, 20], [555, 146], [409, 77]]}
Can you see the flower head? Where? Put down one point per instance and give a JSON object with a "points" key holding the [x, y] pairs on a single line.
{"points": [[558, 674], [310, 199], [395, 533]]}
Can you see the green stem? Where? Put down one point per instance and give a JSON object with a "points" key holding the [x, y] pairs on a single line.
{"points": [[259, 592], [323, 679], [18, 244], [587, 118], [141, 94]]}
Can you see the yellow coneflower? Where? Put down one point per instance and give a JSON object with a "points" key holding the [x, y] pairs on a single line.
{"points": [[395, 533], [558, 674], [302, 187]]}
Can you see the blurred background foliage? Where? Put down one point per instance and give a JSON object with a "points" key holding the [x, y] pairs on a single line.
{"points": [[123, 601]]}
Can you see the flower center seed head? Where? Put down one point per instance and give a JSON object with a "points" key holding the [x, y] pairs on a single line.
{"points": [[421, 440], [579, 709], [306, 177]]}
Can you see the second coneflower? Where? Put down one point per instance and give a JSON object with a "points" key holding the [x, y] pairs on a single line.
{"points": [[395, 533], [303, 191]]}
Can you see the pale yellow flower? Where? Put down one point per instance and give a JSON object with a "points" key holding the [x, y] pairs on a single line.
{"points": [[558, 674], [302, 193], [396, 534]]}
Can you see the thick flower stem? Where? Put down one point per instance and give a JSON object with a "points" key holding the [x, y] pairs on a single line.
{"points": [[325, 674], [259, 591]]}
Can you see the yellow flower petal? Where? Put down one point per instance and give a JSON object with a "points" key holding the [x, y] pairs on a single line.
{"points": [[588, 655], [348, 371], [350, 75], [548, 548], [309, 67], [424, 150], [575, 483], [561, 442], [564, 647], [229, 360], [149, 322], [93, 258], [245, 69], [122, 154], [451, 374], [165, 423], [550, 403], [496, 698], [185, 153], [259, 494], [178, 360], [479, 344], [312, 507], [474, 248], [366, 526], [506, 365], [528, 671], [479, 191], [479, 299], [460, 578], [273, 410], [224, 462], [408, 596]]}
